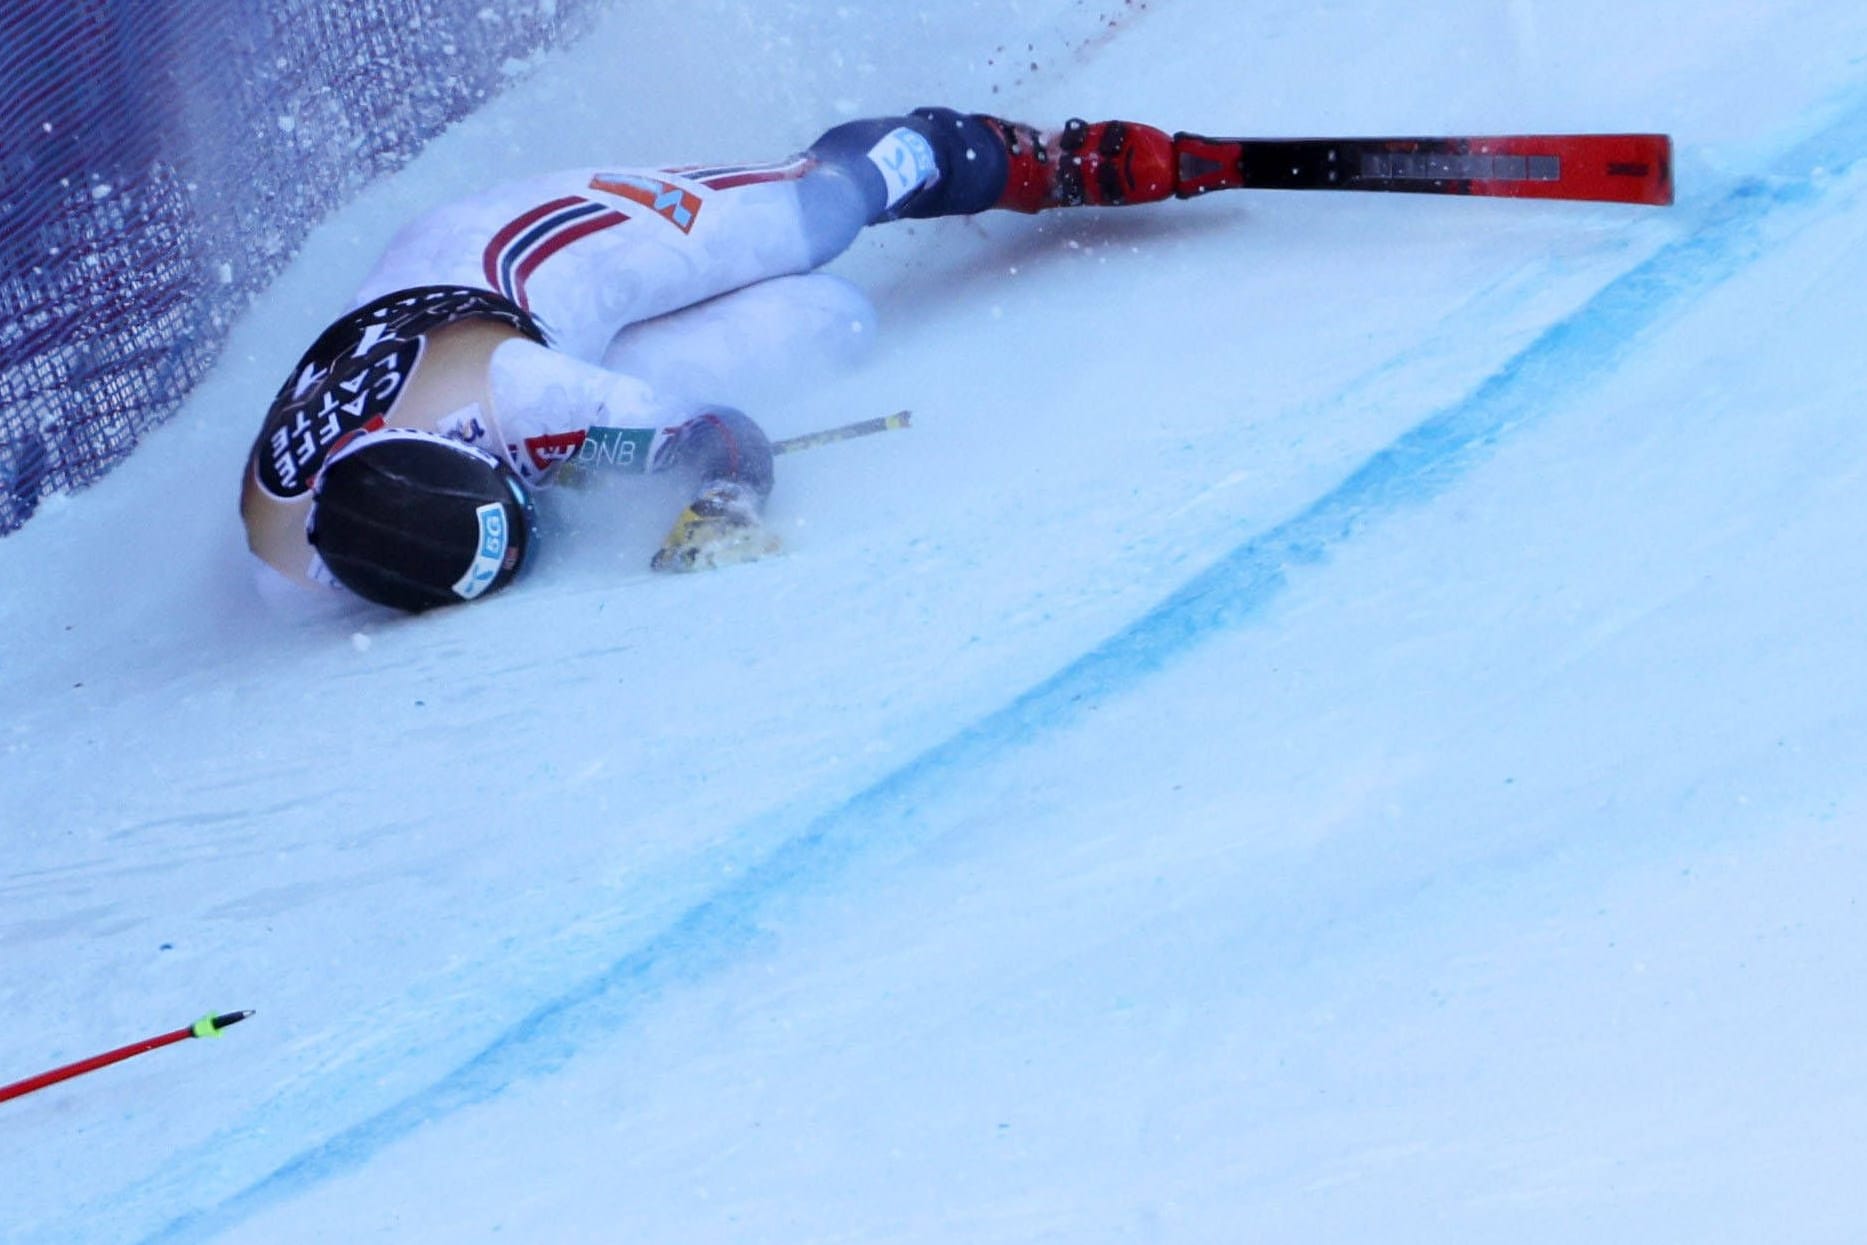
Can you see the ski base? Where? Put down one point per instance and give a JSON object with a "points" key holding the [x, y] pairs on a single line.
{"points": [[1601, 168]]}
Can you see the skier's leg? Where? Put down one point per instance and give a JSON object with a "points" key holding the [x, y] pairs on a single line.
{"points": [[745, 347], [933, 162], [1098, 164], [940, 162]]}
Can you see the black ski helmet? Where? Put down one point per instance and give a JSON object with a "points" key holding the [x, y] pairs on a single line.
{"points": [[413, 520]]}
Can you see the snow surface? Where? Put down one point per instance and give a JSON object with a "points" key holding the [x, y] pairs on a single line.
{"points": [[1343, 720]]}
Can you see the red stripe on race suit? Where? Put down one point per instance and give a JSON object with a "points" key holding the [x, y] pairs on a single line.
{"points": [[511, 230], [552, 245]]}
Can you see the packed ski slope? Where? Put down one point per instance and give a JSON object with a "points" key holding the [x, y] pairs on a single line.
{"points": [[1343, 719]]}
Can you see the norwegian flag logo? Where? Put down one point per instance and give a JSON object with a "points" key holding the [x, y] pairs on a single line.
{"points": [[679, 207], [546, 452]]}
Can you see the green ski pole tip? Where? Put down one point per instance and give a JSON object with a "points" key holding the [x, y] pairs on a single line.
{"points": [[210, 1025]]}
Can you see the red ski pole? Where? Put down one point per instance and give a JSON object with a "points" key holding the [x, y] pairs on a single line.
{"points": [[209, 1025]]}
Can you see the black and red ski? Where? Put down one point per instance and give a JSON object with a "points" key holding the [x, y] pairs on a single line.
{"points": [[1603, 168]]}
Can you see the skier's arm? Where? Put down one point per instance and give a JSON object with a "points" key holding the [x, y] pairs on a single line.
{"points": [[718, 445], [549, 408]]}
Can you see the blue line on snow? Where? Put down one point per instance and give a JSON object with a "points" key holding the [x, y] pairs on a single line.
{"points": [[1569, 356]]}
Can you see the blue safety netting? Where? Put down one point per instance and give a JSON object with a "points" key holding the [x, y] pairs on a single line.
{"points": [[161, 160]]}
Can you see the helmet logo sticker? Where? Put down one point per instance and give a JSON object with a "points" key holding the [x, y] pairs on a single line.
{"points": [[906, 162], [490, 557], [545, 452]]}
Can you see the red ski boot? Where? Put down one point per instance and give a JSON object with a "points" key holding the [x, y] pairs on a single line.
{"points": [[1100, 164]]}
